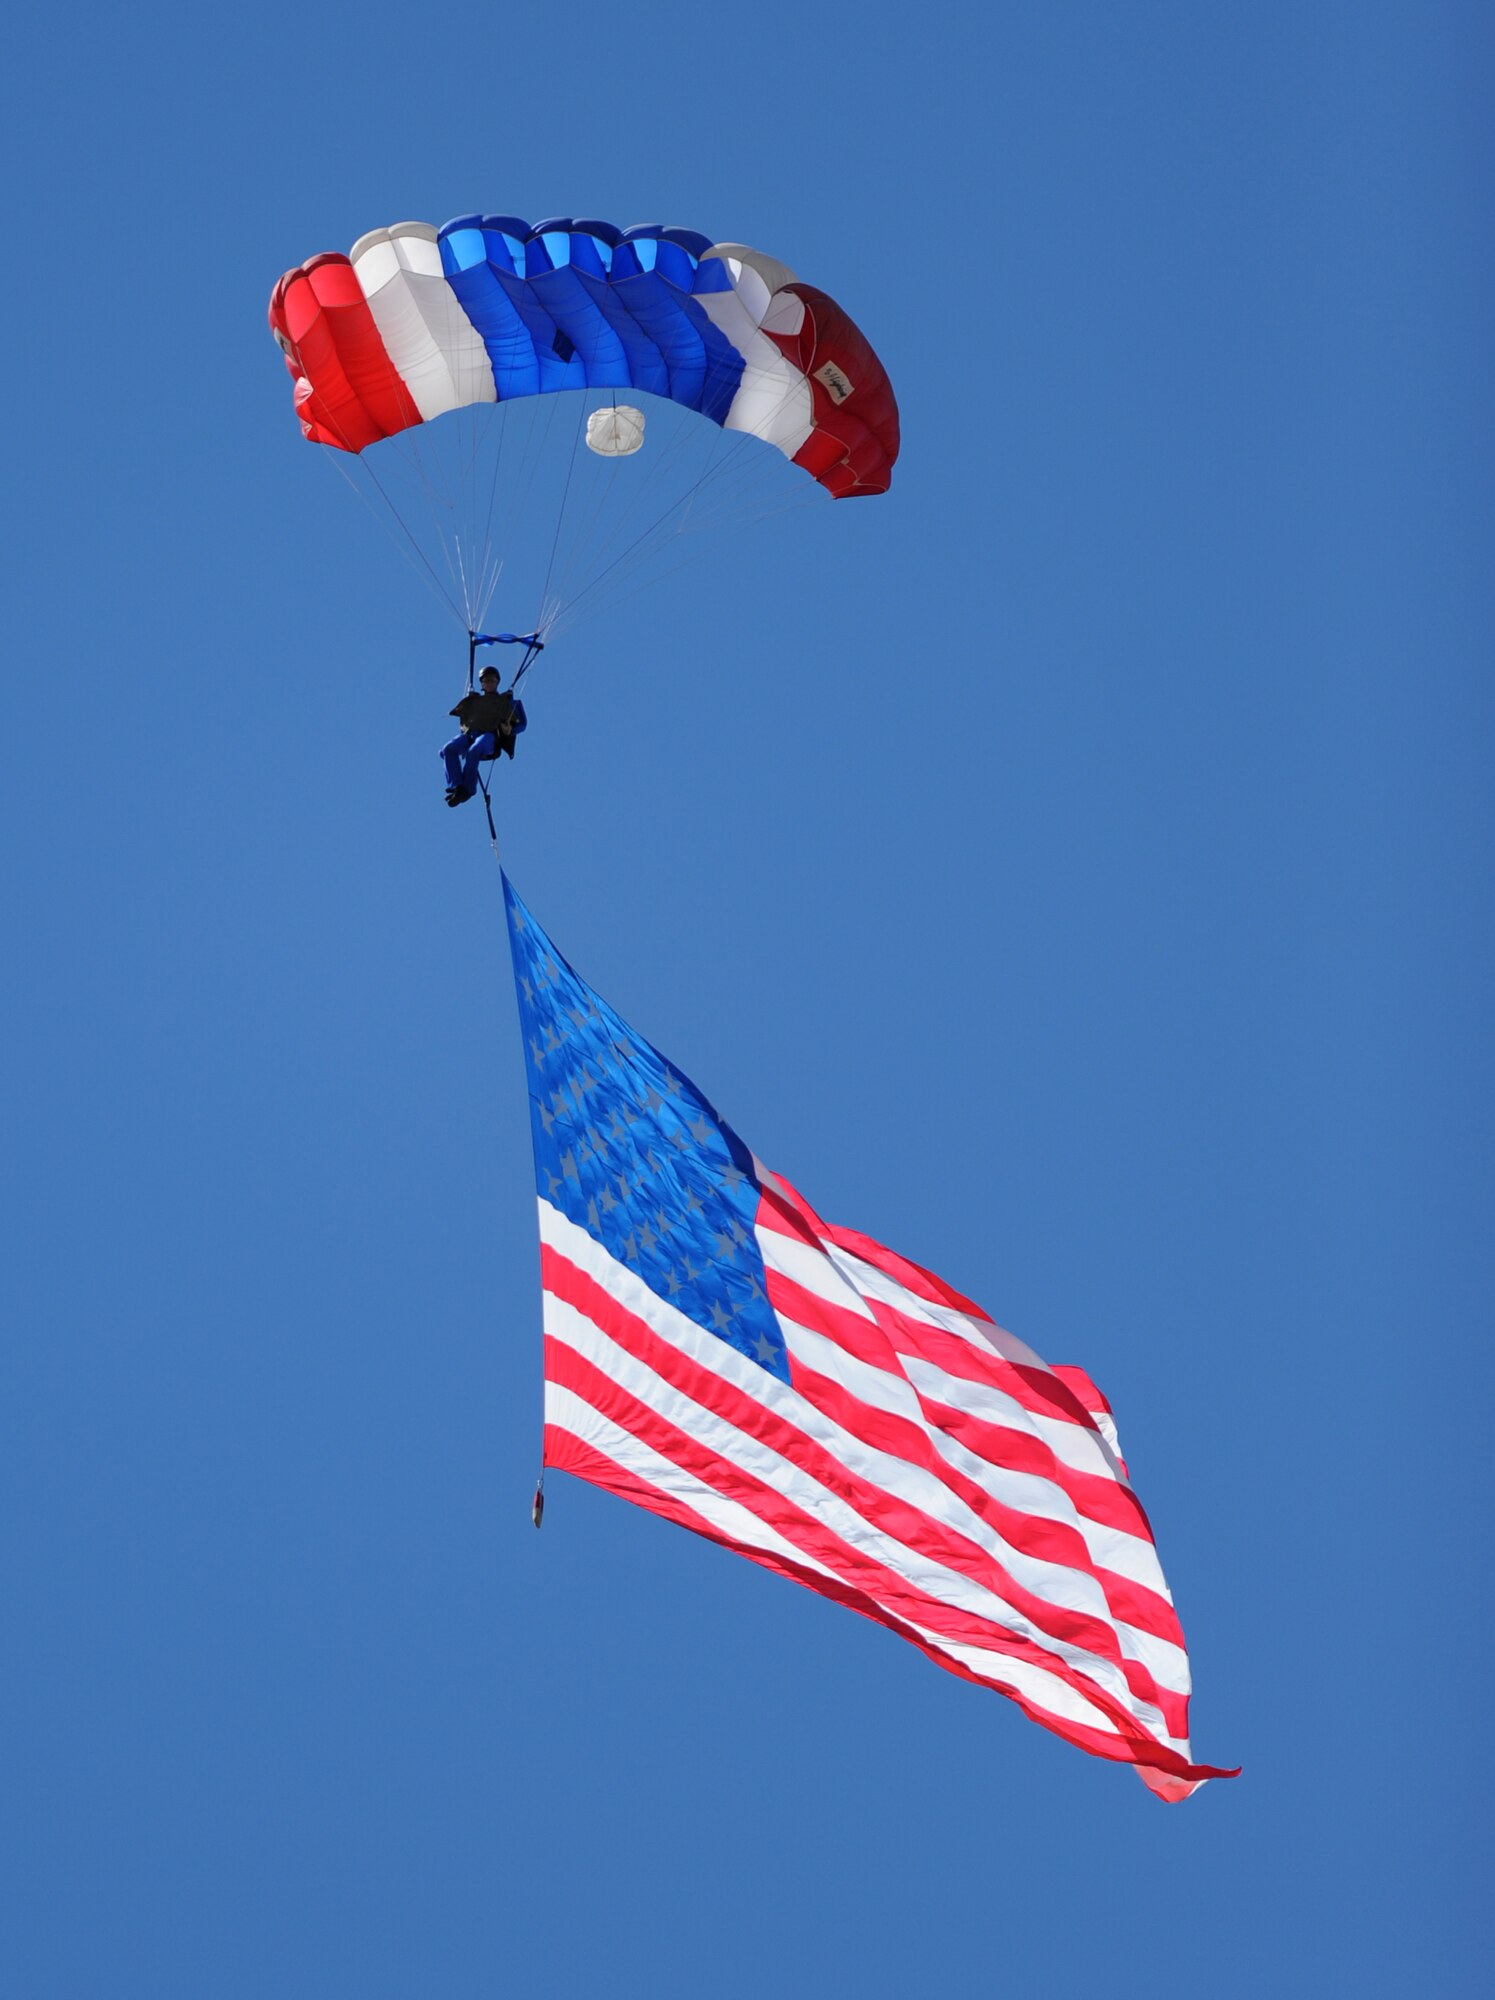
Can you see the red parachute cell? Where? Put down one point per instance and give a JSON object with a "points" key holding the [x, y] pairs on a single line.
{"points": [[348, 393]]}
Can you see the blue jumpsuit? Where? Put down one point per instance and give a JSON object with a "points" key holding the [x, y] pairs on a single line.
{"points": [[462, 756]]}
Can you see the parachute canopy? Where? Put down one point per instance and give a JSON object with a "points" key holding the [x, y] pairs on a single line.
{"points": [[417, 321], [455, 373]]}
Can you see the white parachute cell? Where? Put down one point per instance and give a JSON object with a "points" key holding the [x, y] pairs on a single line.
{"points": [[438, 351], [774, 400], [615, 432]]}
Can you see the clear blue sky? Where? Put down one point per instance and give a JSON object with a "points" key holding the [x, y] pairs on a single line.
{"points": [[1073, 869]]}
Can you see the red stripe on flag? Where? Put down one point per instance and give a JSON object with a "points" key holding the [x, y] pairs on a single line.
{"points": [[1096, 1495], [900, 1519], [1034, 1385], [565, 1452], [1035, 1535]]}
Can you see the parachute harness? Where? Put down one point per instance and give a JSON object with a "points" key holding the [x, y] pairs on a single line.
{"points": [[533, 646]]}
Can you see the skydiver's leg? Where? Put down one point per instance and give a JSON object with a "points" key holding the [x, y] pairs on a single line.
{"points": [[451, 757], [479, 748]]}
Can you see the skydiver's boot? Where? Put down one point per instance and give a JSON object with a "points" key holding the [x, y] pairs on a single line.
{"points": [[458, 795]]}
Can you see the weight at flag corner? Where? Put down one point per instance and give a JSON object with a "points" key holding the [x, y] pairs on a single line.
{"points": [[719, 1355]]}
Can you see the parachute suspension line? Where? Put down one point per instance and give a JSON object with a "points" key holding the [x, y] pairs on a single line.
{"points": [[476, 416], [735, 486], [513, 505], [659, 477], [730, 464], [471, 414], [583, 538], [726, 481], [442, 481], [586, 532], [535, 454], [674, 507], [414, 554], [589, 548], [467, 603], [560, 519], [413, 447], [501, 418], [626, 589]]}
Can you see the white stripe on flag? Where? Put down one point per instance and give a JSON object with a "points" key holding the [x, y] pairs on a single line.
{"points": [[1026, 1492], [1059, 1586], [565, 1411]]}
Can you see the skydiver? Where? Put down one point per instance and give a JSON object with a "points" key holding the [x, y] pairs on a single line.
{"points": [[490, 723]]}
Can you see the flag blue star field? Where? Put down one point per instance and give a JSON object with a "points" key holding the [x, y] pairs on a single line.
{"points": [[718, 1354]]}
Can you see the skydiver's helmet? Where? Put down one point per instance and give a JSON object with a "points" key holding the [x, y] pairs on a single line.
{"points": [[483, 673]]}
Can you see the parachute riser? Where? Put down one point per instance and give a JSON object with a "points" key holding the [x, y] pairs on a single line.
{"points": [[492, 828], [532, 643], [532, 652]]}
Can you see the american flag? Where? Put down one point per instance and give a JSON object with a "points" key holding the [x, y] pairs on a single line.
{"points": [[719, 1355]]}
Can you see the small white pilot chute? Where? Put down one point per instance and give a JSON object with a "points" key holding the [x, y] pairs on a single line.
{"points": [[616, 432]]}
